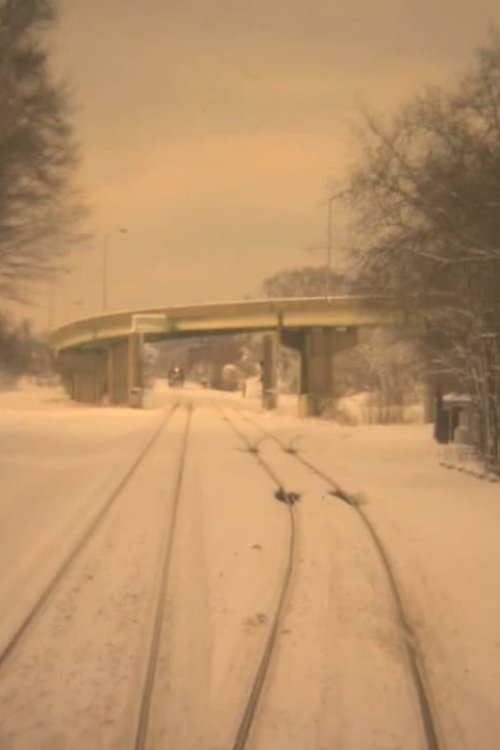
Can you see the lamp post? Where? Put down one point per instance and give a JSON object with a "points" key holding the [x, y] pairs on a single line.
{"points": [[329, 246], [105, 253], [50, 303], [105, 244], [329, 238]]}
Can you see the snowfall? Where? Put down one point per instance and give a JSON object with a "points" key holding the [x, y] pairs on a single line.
{"points": [[339, 677]]}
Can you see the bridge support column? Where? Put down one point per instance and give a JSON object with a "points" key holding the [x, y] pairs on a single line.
{"points": [[135, 373], [269, 380], [83, 374], [317, 348], [118, 373], [316, 373], [124, 367]]}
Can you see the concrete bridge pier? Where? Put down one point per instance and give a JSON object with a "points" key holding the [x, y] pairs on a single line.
{"points": [[83, 374], [124, 371], [316, 373], [317, 348], [269, 379], [112, 374]]}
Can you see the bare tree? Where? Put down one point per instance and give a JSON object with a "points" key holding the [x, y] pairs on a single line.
{"points": [[39, 210], [426, 203]]}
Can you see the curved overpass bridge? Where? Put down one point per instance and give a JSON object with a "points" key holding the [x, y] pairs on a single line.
{"points": [[99, 357], [229, 317]]}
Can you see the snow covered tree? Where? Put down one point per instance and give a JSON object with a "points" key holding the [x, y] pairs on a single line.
{"points": [[38, 207], [426, 207]]}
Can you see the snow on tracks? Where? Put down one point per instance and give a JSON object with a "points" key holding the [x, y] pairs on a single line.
{"points": [[88, 530], [288, 497], [158, 619], [328, 661], [338, 675], [415, 661], [66, 672]]}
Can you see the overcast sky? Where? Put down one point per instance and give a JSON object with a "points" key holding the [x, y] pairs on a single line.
{"points": [[213, 130]]}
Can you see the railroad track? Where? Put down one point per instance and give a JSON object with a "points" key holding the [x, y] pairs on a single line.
{"points": [[142, 721], [414, 659], [288, 498], [144, 679], [50, 588]]}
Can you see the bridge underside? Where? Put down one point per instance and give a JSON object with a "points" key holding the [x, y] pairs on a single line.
{"points": [[100, 358]]}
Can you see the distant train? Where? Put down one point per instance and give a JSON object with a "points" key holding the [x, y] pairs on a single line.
{"points": [[176, 377], [230, 378]]}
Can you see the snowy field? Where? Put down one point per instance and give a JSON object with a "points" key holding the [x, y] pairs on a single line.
{"points": [[339, 677]]}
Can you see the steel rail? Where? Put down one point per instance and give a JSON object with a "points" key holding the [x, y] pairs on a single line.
{"points": [[250, 710], [144, 713], [414, 657], [90, 529]]}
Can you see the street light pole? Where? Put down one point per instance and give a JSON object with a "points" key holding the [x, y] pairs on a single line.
{"points": [[329, 247], [105, 253], [50, 303], [105, 244]]}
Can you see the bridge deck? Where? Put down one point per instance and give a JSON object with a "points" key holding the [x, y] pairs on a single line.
{"points": [[230, 317]]}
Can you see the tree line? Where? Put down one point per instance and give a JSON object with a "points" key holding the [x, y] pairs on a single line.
{"points": [[22, 353], [425, 208], [40, 210]]}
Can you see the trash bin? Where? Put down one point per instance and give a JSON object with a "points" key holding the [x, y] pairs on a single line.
{"points": [[135, 398]]}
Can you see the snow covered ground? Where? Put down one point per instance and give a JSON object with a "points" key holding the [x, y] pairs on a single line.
{"points": [[339, 678], [58, 463]]}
